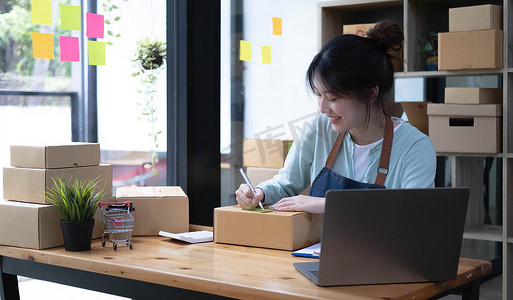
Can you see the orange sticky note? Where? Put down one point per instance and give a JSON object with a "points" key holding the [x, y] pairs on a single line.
{"points": [[42, 45], [245, 50], [42, 12], [277, 24], [266, 54], [96, 52]]}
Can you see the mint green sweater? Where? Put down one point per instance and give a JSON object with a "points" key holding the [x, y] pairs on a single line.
{"points": [[412, 160]]}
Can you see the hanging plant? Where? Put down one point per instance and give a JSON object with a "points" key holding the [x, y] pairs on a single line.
{"points": [[112, 15], [149, 59]]}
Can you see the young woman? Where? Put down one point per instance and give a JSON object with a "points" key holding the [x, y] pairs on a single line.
{"points": [[353, 143]]}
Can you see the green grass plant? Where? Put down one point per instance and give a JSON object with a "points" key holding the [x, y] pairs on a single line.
{"points": [[77, 201]]}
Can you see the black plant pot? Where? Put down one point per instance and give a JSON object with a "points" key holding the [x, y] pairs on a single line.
{"points": [[77, 235]]}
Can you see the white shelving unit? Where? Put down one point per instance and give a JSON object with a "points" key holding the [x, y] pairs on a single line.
{"points": [[418, 17]]}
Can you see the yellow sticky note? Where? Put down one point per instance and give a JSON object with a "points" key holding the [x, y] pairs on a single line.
{"points": [[277, 24], [266, 54], [96, 52], [70, 17], [42, 12], [42, 45], [245, 50]]}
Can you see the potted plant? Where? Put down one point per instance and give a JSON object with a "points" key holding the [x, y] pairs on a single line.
{"points": [[429, 48], [149, 59], [77, 203]]}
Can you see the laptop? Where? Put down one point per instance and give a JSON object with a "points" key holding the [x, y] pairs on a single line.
{"points": [[381, 236]]}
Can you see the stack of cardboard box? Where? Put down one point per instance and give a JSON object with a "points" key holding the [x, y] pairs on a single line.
{"points": [[470, 120], [474, 40], [26, 219]]}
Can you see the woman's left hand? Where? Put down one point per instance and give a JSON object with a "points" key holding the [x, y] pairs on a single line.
{"points": [[305, 203]]}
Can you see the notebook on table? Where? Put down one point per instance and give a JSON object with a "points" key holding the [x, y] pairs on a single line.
{"points": [[383, 236]]}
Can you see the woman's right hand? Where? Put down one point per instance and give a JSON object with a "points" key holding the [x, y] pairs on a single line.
{"points": [[246, 198]]}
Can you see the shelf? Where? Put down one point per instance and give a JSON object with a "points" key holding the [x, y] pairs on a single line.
{"points": [[499, 155], [485, 232], [430, 74]]}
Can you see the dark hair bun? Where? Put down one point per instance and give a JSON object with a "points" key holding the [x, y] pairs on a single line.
{"points": [[387, 35]]}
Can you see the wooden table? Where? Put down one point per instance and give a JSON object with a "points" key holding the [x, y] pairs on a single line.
{"points": [[159, 268]]}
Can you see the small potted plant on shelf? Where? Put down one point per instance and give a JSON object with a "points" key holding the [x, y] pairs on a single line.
{"points": [[77, 203], [149, 60], [429, 48]]}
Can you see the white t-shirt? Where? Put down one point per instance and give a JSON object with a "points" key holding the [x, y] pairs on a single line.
{"points": [[361, 158]]}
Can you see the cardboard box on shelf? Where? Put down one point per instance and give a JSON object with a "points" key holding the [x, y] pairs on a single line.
{"points": [[417, 115], [258, 175], [36, 226], [461, 128], [265, 153], [55, 156], [480, 49], [277, 230], [358, 29], [473, 95], [29, 185], [157, 208], [478, 17]]}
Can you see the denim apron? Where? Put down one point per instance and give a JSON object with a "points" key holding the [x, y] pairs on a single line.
{"points": [[329, 180]]}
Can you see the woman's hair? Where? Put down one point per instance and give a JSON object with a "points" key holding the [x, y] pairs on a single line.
{"points": [[353, 65]]}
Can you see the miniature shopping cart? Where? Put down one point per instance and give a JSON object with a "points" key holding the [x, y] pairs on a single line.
{"points": [[118, 223]]}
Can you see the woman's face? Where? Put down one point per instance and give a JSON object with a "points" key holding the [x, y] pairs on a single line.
{"points": [[345, 112]]}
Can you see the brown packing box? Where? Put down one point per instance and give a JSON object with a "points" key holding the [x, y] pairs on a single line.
{"points": [[36, 226], [157, 208], [361, 30], [277, 230], [29, 185], [479, 17], [460, 128], [55, 156], [473, 95], [480, 49], [259, 175], [265, 153], [417, 115]]}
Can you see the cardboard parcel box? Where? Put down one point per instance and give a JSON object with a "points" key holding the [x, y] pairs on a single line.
{"points": [[157, 208], [36, 226], [473, 95], [29, 185], [417, 115], [460, 128], [480, 49], [55, 156], [265, 153], [479, 17], [277, 230]]}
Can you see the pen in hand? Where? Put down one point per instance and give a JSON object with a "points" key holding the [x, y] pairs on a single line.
{"points": [[246, 179]]}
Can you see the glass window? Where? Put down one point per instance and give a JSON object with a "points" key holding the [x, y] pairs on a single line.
{"points": [[132, 110]]}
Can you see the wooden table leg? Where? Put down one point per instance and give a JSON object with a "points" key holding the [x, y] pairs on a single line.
{"points": [[8, 285]]}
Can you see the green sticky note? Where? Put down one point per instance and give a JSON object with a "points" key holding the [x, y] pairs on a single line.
{"points": [[96, 52], [42, 12], [70, 17], [266, 54], [245, 50], [259, 210]]}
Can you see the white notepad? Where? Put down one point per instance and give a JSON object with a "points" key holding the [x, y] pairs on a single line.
{"points": [[191, 237]]}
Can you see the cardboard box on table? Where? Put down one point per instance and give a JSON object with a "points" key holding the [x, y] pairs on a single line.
{"points": [[55, 156], [157, 208], [265, 153], [478, 17], [461, 128], [277, 230], [29, 185], [480, 49], [36, 226], [473, 95]]}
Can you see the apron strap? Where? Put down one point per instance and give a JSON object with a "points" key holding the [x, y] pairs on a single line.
{"points": [[334, 151], [386, 149]]}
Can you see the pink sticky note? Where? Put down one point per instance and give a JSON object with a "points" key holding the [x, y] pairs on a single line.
{"points": [[69, 48], [94, 25]]}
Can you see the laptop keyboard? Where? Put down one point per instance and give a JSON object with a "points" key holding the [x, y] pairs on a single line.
{"points": [[315, 273]]}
